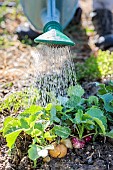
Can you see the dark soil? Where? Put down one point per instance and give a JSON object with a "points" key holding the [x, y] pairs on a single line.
{"points": [[97, 155], [16, 66]]}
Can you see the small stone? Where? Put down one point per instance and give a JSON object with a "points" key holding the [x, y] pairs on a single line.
{"points": [[87, 153], [46, 159], [89, 148], [90, 161], [93, 147], [77, 160]]}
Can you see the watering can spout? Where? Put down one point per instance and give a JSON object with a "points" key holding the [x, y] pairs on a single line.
{"points": [[53, 35]]}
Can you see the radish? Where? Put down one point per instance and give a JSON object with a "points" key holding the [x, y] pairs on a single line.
{"points": [[59, 151], [78, 143], [88, 139]]}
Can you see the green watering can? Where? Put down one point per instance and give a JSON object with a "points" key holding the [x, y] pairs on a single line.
{"points": [[50, 17]]}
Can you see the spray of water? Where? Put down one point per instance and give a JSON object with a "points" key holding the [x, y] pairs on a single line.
{"points": [[54, 71]]}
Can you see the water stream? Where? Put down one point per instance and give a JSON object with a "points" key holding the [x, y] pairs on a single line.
{"points": [[54, 71]]}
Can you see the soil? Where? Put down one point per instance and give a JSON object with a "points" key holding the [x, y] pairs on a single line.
{"points": [[97, 155], [16, 72]]}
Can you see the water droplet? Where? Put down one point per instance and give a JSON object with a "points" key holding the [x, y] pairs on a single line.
{"points": [[54, 71]]}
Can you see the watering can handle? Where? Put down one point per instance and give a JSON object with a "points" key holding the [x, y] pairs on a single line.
{"points": [[51, 8]]}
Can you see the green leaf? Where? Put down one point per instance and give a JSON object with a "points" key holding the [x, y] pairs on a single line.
{"points": [[11, 126], [11, 130], [102, 90], [46, 124], [75, 91], [100, 124], [24, 124], [78, 116], [68, 110], [62, 100], [62, 132], [88, 121], [33, 152], [73, 102], [111, 83], [104, 121], [91, 122], [33, 118], [67, 117], [86, 117], [59, 108], [109, 88], [7, 120], [30, 111], [39, 126], [93, 100], [88, 30], [110, 134], [49, 136], [18, 100], [54, 118], [109, 117], [11, 137], [95, 112], [37, 130], [49, 106], [107, 99]]}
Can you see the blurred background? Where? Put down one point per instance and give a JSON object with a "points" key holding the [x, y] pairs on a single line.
{"points": [[16, 56]]}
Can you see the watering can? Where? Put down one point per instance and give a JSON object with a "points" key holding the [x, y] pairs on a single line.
{"points": [[51, 17]]}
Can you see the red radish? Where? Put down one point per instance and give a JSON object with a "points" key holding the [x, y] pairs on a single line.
{"points": [[78, 143], [88, 139]]}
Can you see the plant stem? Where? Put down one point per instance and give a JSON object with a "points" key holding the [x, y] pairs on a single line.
{"points": [[77, 130], [88, 135], [35, 163]]}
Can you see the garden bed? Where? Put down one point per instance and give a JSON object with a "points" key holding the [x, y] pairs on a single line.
{"points": [[16, 72]]}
